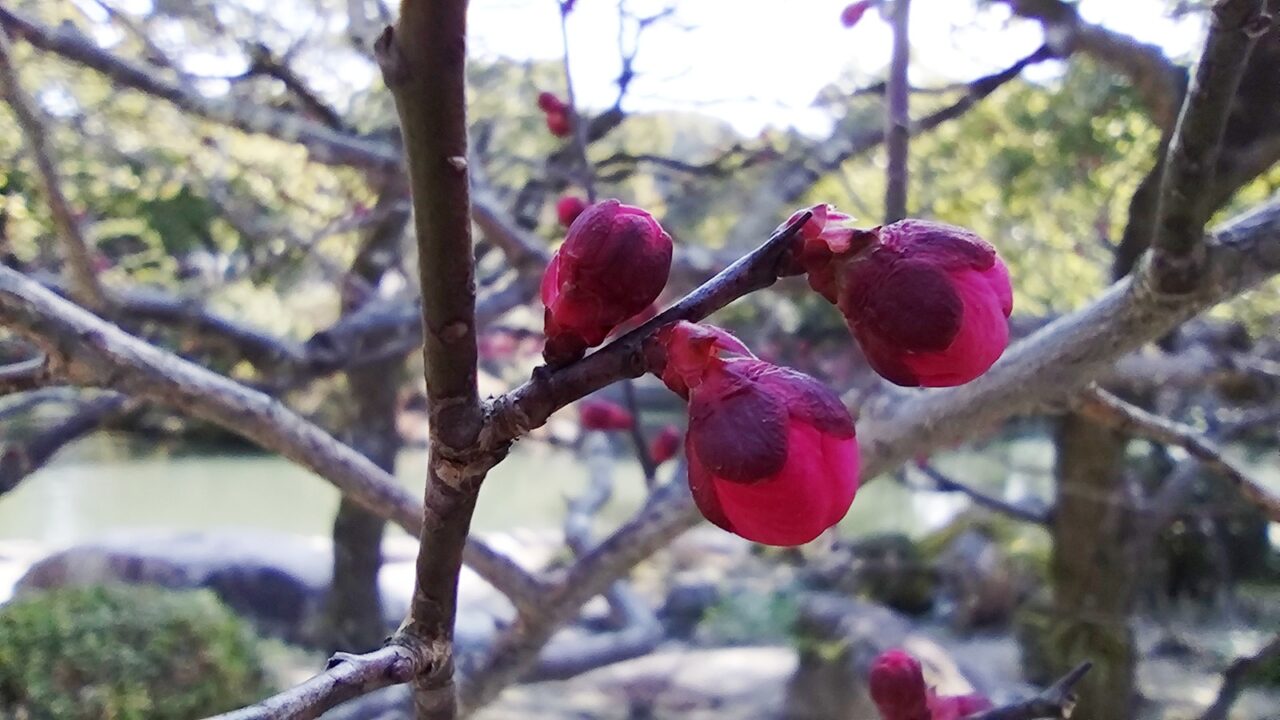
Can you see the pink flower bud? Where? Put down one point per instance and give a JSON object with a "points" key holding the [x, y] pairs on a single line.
{"points": [[897, 687], [771, 451], [613, 264], [604, 415], [665, 445], [559, 124], [568, 208], [929, 303], [956, 707], [549, 103], [854, 12]]}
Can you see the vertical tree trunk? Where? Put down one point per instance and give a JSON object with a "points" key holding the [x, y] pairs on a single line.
{"points": [[353, 619], [1093, 570], [353, 614]]}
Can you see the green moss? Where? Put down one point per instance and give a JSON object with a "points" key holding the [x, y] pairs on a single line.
{"points": [[125, 653]]}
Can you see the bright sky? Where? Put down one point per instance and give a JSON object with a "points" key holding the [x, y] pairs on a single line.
{"points": [[750, 62], [757, 63]]}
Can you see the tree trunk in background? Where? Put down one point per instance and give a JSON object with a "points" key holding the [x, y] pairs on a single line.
{"points": [[1093, 571], [353, 619], [353, 613]]}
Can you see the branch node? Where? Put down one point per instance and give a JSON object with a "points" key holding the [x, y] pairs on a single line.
{"points": [[390, 60]]}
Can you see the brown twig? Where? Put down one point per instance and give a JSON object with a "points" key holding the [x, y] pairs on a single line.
{"points": [[20, 458], [347, 677], [423, 60], [945, 483], [1055, 703], [71, 232], [1183, 209], [896, 132], [1110, 410], [1233, 679]]}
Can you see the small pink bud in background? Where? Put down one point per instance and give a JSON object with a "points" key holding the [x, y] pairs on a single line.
{"points": [[613, 264], [899, 692], [604, 415], [549, 103], [558, 123], [566, 6], [956, 707], [568, 208], [772, 453], [929, 303], [897, 687], [665, 445], [854, 12]]}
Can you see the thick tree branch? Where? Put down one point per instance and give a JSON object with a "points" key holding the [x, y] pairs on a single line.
{"points": [[1055, 703], [1115, 413], [423, 60], [84, 280], [1178, 250], [91, 352], [346, 678]]}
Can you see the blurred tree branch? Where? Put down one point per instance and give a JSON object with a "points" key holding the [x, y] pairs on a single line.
{"points": [[84, 280]]}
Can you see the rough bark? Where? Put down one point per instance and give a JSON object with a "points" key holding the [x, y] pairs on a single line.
{"points": [[1092, 570]]}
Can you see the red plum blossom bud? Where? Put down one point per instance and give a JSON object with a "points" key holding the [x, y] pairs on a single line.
{"points": [[928, 302], [897, 687], [568, 208], [956, 707], [854, 12], [665, 445], [613, 264], [604, 415], [558, 123], [771, 451], [548, 103], [899, 692]]}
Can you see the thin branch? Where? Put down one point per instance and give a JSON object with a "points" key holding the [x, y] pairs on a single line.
{"points": [[20, 458], [1055, 703], [70, 230], [669, 512], [347, 677], [1115, 413], [1233, 679], [92, 352], [24, 375], [587, 174], [1157, 79], [640, 444], [896, 132], [1178, 250], [529, 405], [324, 144], [945, 483]]}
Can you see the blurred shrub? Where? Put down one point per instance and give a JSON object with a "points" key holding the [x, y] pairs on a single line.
{"points": [[749, 617], [125, 653]]}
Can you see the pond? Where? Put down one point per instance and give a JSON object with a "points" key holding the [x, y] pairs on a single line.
{"points": [[109, 483]]}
